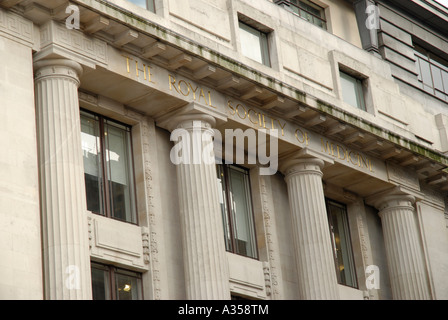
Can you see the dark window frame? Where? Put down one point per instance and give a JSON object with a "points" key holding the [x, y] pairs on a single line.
{"points": [[146, 5], [112, 272], [106, 195], [265, 49], [359, 88], [434, 61], [322, 19], [225, 184], [329, 201]]}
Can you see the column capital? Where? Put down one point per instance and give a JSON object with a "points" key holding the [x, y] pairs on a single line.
{"points": [[305, 160], [185, 116], [57, 67], [392, 198]]}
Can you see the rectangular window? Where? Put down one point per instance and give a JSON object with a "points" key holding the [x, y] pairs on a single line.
{"points": [[236, 207], [432, 73], [110, 283], [352, 91], [108, 169], [254, 44], [307, 10], [146, 4], [342, 248]]}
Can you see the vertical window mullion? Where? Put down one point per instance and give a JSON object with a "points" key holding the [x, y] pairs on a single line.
{"points": [[229, 208], [106, 194], [112, 283], [333, 242]]}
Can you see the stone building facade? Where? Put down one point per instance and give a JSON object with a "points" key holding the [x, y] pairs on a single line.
{"points": [[352, 96]]}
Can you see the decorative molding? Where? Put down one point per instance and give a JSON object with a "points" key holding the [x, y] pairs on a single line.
{"points": [[267, 277], [145, 243], [274, 266], [88, 48], [106, 233], [153, 254], [18, 27], [90, 231], [433, 197], [402, 176]]}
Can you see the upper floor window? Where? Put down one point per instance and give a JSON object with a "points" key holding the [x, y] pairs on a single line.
{"points": [[342, 248], [236, 206], [352, 90], [108, 169], [146, 4], [110, 283], [432, 72], [306, 10], [254, 44]]}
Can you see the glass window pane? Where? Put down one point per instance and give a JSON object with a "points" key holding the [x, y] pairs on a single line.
{"points": [[417, 67], [119, 166], [223, 203], [241, 212], [91, 149], [151, 6], [425, 72], [140, 3], [253, 44], [100, 284], [342, 246], [445, 81], [310, 8], [352, 92], [437, 77], [128, 287]]}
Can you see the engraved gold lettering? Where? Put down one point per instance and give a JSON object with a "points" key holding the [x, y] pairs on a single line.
{"points": [[193, 90], [202, 94], [127, 64], [363, 161], [344, 152], [248, 115], [229, 104], [283, 127], [300, 136], [210, 100], [272, 123], [350, 158], [185, 86], [172, 81], [238, 106]]}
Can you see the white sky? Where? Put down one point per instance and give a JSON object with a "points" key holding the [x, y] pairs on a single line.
{"points": [[444, 2]]}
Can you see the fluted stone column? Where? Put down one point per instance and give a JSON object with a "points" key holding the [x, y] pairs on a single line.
{"points": [[63, 201], [311, 234], [205, 261], [404, 251]]}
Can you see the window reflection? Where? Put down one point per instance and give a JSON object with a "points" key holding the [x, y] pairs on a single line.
{"points": [[236, 207], [339, 228], [108, 169], [432, 73], [110, 283]]}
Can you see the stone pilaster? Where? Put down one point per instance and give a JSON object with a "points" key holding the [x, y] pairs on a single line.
{"points": [[311, 234], [405, 258], [63, 201], [205, 261]]}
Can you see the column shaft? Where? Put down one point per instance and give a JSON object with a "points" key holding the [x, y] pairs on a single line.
{"points": [[403, 249], [206, 267], [63, 203], [314, 255]]}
